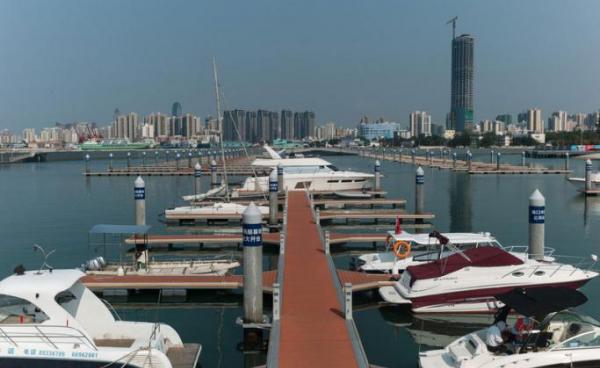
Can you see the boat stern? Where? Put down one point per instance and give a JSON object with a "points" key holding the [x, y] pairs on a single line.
{"points": [[391, 295]]}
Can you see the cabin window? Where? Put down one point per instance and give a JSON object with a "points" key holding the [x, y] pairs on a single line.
{"points": [[333, 181], [347, 181], [64, 297], [518, 273], [584, 340], [15, 310], [333, 168], [359, 180], [539, 273]]}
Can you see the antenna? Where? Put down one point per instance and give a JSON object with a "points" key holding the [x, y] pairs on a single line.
{"points": [[220, 125], [453, 21], [39, 248]]}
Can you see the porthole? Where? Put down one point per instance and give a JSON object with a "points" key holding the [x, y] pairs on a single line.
{"points": [[539, 273], [518, 273]]}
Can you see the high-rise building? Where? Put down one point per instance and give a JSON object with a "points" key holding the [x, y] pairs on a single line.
{"points": [[505, 118], [419, 123], [535, 123], [486, 126], [176, 109], [461, 99], [251, 127], [287, 124], [304, 124], [127, 126], [234, 125], [557, 122]]}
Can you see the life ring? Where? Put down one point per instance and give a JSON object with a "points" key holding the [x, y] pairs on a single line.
{"points": [[401, 249]]}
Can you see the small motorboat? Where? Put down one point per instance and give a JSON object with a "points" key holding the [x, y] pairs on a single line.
{"points": [[559, 336], [352, 195], [187, 267], [467, 281]]}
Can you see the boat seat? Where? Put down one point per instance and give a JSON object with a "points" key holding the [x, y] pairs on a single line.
{"points": [[114, 343]]}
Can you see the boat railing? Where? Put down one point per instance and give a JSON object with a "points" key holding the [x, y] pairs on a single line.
{"points": [[111, 309], [548, 252], [558, 263], [45, 334]]}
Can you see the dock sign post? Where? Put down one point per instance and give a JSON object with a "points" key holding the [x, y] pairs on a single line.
{"points": [[252, 241], [537, 218]]}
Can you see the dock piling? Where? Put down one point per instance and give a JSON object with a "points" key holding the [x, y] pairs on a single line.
{"points": [[128, 159], [273, 198], [276, 302], [139, 194], [469, 160], [177, 157], [537, 210], [110, 161], [588, 175], [327, 242], [190, 159], [144, 158], [252, 233], [377, 169], [567, 161], [87, 163], [412, 153], [454, 160], [498, 154], [523, 163], [491, 156], [419, 191]]}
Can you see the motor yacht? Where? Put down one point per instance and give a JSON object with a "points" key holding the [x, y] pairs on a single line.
{"points": [[563, 338], [423, 248], [314, 174], [49, 319], [466, 281], [579, 182]]}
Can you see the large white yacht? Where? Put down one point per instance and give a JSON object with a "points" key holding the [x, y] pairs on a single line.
{"points": [[425, 248], [314, 174], [562, 339], [49, 319], [467, 282]]}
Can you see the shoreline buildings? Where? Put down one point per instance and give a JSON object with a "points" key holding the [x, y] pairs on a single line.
{"points": [[461, 98]]}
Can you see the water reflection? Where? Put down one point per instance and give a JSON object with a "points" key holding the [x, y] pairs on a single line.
{"points": [[460, 193], [431, 331]]}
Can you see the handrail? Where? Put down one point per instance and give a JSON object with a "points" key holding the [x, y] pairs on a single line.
{"points": [[111, 309], [44, 336]]}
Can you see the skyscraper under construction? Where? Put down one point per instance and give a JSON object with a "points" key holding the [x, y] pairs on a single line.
{"points": [[461, 101]]}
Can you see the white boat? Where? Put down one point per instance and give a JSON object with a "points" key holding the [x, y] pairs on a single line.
{"points": [[188, 267], [218, 210], [48, 318], [314, 174], [427, 248], [563, 339], [215, 192], [466, 282]]}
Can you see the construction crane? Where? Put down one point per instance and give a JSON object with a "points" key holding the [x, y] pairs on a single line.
{"points": [[453, 21]]}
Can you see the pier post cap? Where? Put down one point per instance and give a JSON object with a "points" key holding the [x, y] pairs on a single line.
{"points": [[523, 153], [251, 215], [156, 153], [498, 154], [420, 171], [110, 155], [128, 153], [454, 154], [190, 154], [178, 155], [537, 199], [87, 156], [377, 163], [144, 153], [566, 154], [213, 163], [139, 182], [167, 152], [273, 176], [197, 167], [588, 162]]}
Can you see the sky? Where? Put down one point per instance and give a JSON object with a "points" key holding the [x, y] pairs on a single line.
{"points": [[78, 60]]}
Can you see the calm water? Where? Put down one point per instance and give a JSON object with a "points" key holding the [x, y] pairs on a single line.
{"points": [[52, 204]]}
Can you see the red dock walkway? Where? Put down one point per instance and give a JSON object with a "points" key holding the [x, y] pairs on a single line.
{"points": [[313, 329]]}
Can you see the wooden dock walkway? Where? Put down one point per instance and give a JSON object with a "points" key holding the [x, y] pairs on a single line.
{"points": [[313, 331]]}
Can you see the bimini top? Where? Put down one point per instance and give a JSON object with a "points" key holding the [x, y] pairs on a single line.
{"points": [[479, 257], [454, 238], [541, 300], [45, 282]]}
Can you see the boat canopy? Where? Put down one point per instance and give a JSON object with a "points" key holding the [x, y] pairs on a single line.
{"points": [[119, 229], [542, 300], [476, 257]]}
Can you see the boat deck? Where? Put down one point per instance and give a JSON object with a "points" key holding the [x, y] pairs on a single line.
{"points": [[185, 356]]}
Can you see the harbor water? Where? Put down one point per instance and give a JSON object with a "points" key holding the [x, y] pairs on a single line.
{"points": [[52, 204]]}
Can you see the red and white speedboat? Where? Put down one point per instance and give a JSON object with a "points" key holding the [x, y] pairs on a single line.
{"points": [[466, 282]]}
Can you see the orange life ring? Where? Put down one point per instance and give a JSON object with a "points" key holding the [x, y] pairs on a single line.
{"points": [[401, 249]]}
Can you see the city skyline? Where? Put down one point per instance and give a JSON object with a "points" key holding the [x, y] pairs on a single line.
{"points": [[54, 74]]}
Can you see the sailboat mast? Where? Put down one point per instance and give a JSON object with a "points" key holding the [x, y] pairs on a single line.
{"points": [[220, 124]]}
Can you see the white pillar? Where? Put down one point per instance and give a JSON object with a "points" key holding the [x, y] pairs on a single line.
{"points": [[252, 233], [537, 217]]}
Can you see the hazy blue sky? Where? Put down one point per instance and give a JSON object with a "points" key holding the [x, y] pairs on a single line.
{"points": [[67, 60]]}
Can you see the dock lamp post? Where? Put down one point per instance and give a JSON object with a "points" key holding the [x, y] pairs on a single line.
{"points": [[469, 160], [454, 160], [177, 157], [213, 173], [156, 157], [144, 158], [167, 155], [523, 158], [197, 178], [128, 159], [87, 163], [190, 159], [110, 161], [498, 154]]}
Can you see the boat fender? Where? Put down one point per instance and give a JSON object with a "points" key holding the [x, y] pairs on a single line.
{"points": [[401, 249]]}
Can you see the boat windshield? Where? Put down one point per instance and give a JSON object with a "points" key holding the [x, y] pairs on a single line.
{"points": [[333, 168], [569, 330], [15, 310]]}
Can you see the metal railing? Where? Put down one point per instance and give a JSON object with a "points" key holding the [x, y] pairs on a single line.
{"points": [[51, 338]]}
